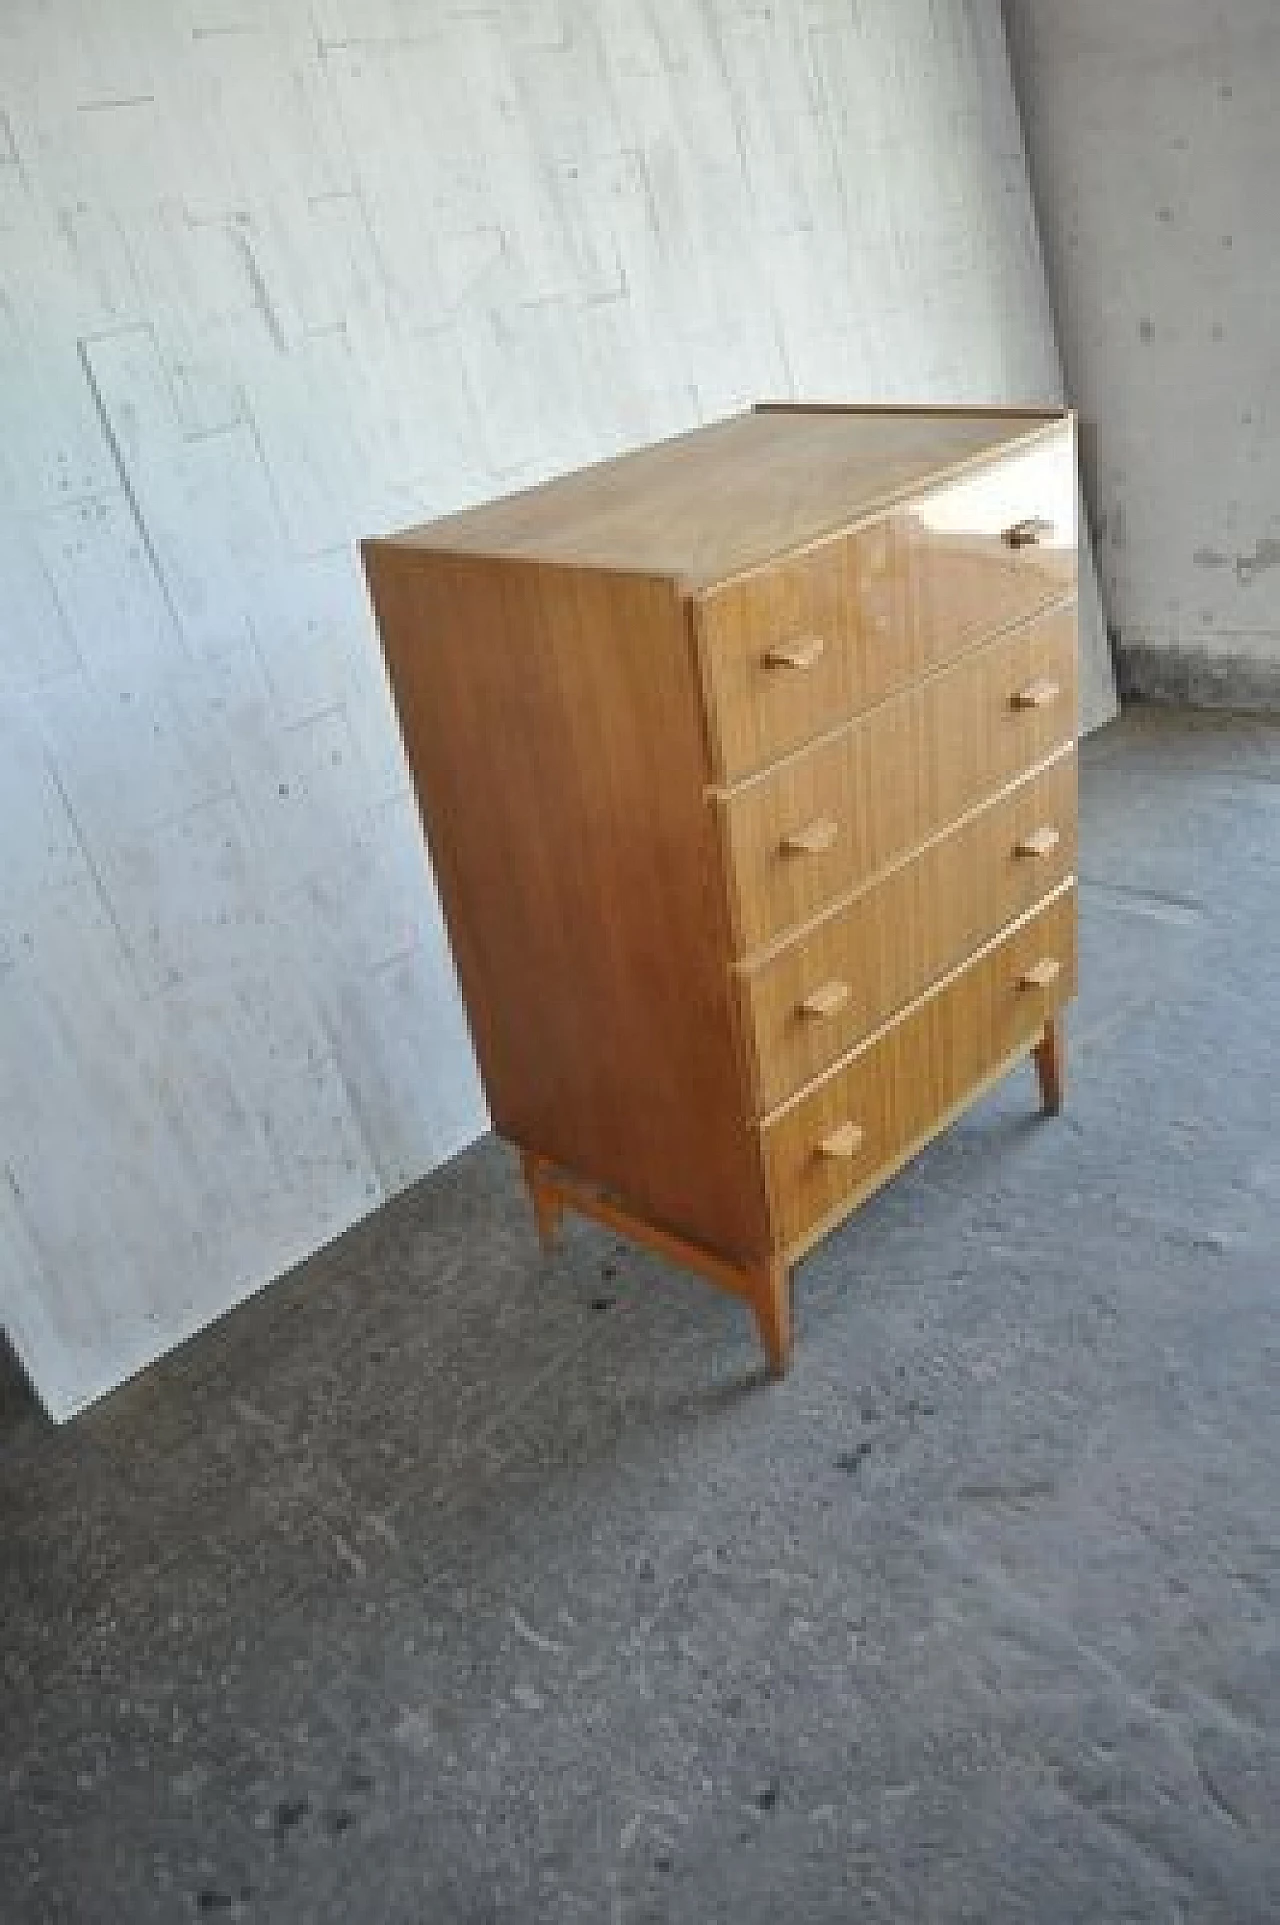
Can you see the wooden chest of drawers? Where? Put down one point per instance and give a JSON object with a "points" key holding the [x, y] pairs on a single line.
{"points": [[747, 767]]}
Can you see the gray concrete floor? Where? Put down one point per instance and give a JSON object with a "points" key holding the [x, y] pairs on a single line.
{"points": [[442, 1582]]}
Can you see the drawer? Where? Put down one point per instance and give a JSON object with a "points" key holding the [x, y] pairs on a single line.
{"points": [[790, 652], [850, 1132], [812, 1000], [810, 831]]}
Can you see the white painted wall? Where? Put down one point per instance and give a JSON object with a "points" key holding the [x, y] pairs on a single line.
{"points": [[1155, 148], [274, 275]]}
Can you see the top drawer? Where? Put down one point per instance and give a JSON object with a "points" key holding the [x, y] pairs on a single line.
{"points": [[795, 649]]}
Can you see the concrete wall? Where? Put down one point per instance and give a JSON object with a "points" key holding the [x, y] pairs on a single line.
{"points": [[274, 275], [1154, 140]]}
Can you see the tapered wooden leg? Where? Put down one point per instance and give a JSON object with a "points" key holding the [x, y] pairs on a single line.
{"points": [[1050, 1055], [552, 1191], [771, 1301], [548, 1205]]}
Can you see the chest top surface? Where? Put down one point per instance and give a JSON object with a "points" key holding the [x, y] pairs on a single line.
{"points": [[725, 499]]}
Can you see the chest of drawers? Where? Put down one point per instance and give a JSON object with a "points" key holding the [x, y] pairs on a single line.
{"points": [[747, 769]]}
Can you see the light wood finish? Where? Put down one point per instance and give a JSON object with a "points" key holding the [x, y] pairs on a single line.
{"points": [[1040, 694], [843, 1143], [824, 1001], [1031, 533], [897, 1086], [894, 777], [813, 840], [551, 719], [805, 653], [792, 649], [812, 999], [1039, 843], [739, 494], [725, 780]]}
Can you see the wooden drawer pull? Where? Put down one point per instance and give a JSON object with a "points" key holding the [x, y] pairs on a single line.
{"points": [[1041, 974], [1029, 533], [825, 1000], [802, 654], [842, 1144], [1041, 842], [1036, 695], [814, 840]]}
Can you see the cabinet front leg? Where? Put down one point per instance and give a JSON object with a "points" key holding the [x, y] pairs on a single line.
{"points": [[771, 1301], [548, 1204], [1050, 1055]]}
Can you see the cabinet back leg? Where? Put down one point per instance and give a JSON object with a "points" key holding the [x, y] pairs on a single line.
{"points": [[1050, 1055], [548, 1205]]}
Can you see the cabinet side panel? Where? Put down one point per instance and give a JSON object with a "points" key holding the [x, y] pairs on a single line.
{"points": [[552, 724]]}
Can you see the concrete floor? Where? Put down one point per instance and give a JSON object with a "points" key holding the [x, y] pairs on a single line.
{"points": [[442, 1583]]}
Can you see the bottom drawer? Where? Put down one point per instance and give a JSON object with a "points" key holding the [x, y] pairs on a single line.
{"points": [[845, 1135]]}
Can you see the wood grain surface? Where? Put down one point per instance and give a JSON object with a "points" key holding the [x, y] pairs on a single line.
{"points": [[811, 1000], [704, 506], [552, 722], [747, 769], [895, 777], [901, 1087], [791, 650]]}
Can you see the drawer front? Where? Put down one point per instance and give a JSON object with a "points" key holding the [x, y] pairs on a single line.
{"points": [[836, 1144], [813, 1000], [817, 827], [790, 652]]}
